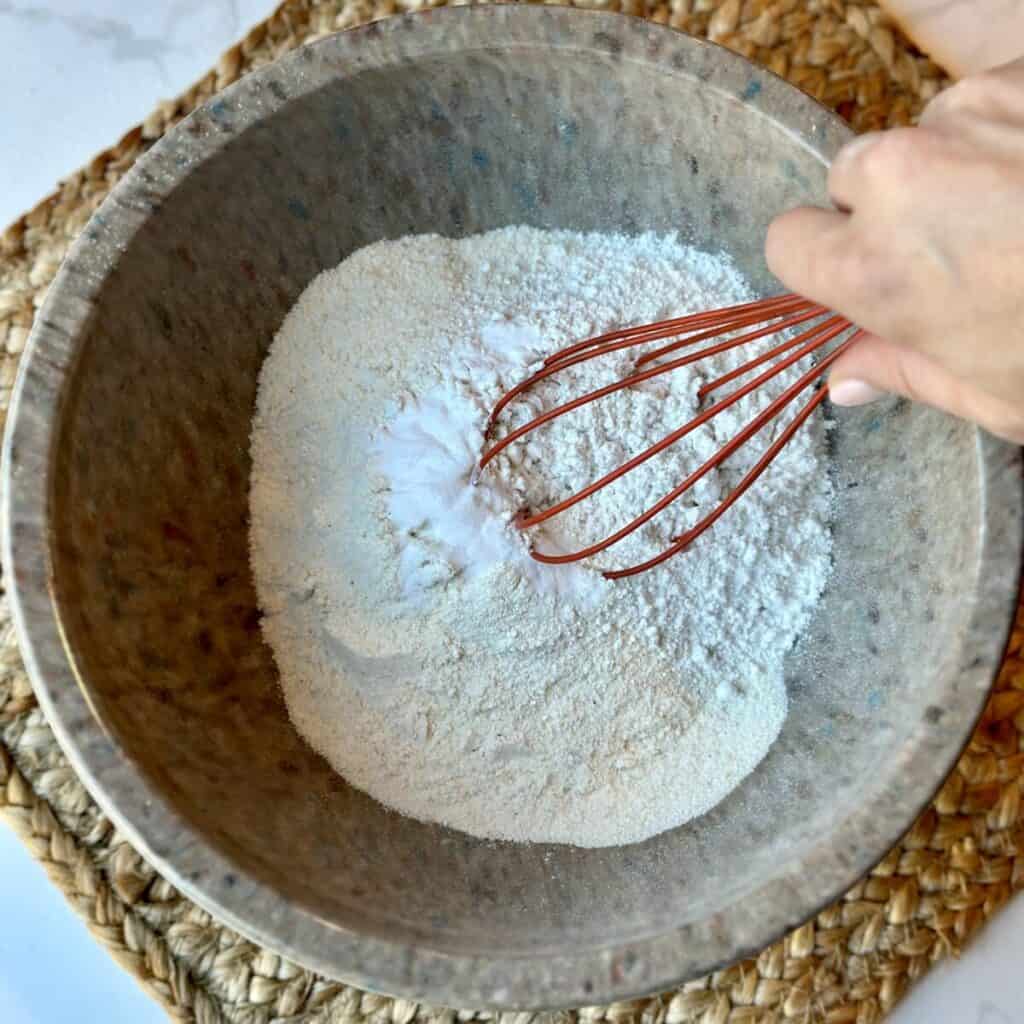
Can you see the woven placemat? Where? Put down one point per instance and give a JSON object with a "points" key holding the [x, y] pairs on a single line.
{"points": [[959, 863]]}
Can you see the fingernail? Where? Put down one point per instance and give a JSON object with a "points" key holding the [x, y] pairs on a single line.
{"points": [[853, 392]]}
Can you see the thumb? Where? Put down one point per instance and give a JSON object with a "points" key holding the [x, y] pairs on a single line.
{"points": [[874, 367]]}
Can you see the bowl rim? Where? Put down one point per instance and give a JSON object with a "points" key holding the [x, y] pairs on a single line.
{"points": [[750, 920]]}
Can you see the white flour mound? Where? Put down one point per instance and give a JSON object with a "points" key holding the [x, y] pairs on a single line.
{"points": [[421, 650]]}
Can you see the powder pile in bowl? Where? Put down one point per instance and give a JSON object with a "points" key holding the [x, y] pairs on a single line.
{"points": [[431, 661]]}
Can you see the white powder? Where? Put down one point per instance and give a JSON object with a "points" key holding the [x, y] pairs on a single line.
{"points": [[421, 650]]}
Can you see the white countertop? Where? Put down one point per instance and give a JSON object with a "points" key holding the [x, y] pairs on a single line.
{"points": [[74, 75]]}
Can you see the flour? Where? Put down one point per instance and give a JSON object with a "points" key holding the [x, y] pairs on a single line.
{"points": [[422, 651]]}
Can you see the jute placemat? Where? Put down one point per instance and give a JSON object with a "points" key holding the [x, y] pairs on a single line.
{"points": [[959, 863]]}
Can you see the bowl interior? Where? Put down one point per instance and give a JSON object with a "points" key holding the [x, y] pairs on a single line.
{"points": [[232, 216]]}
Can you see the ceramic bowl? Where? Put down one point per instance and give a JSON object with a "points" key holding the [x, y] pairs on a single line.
{"points": [[125, 483]]}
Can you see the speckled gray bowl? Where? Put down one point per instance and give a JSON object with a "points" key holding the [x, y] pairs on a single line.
{"points": [[125, 485]]}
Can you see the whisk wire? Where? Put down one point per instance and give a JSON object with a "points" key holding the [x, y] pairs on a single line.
{"points": [[828, 329], [753, 427], [781, 313], [682, 542], [630, 381], [761, 310], [791, 316], [717, 323]]}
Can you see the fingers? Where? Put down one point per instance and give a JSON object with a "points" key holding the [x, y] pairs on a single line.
{"points": [[878, 166], [816, 252], [846, 173], [860, 261], [801, 249], [874, 367]]}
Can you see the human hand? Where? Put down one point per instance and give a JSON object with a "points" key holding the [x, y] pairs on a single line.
{"points": [[925, 252], [964, 36]]}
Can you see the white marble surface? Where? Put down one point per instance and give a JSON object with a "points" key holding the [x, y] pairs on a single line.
{"points": [[74, 75]]}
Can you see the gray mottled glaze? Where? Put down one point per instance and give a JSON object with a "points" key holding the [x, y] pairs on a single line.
{"points": [[125, 486]]}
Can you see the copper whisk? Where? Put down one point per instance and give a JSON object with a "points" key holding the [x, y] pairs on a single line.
{"points": [[777, 314]]}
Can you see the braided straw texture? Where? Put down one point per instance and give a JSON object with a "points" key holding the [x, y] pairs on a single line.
{"points": [[959, 863]]}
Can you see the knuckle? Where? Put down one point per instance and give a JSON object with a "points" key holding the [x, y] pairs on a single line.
{"points": [[845, 170], [896, 156]]}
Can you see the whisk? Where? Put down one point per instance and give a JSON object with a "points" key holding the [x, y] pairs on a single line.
{"points": [[780, 313]]}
